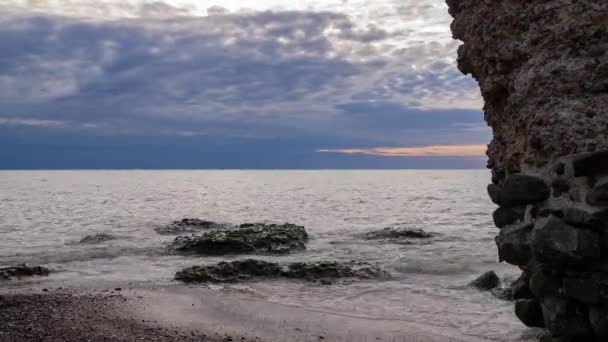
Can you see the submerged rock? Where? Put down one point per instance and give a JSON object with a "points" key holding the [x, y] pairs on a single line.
{"points": [[8, 273], [248, 238], [324, 272], [97, 238], [189, 225], [486, 281], [397, 233]]}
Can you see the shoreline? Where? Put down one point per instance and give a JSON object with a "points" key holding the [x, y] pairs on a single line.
{"points": [[182, 313]]}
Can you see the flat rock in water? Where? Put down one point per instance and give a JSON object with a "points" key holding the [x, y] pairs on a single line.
{"points": [[397, 234], [8, 273], [324, 272], [247, 238], [190, 225], [97, 238]]}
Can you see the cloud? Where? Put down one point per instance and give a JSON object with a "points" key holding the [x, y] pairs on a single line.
{"points": [[315, 73], [424, 151]]}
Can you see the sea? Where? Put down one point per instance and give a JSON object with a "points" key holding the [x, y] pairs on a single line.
{"points": [[44, 214]]}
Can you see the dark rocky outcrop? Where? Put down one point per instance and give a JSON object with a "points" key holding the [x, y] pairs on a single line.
{"points": [[250, 269], [542, 67], [530, 312], [398, 234], [17, 272], [247, 238], [97, 238], [190, 225], [504, 216], [486, 281]]}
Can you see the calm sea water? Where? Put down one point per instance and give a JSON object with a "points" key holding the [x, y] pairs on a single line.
{"points": [[44, 213]]}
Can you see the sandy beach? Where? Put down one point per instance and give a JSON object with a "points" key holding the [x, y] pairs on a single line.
{"points": [[179, 313]]}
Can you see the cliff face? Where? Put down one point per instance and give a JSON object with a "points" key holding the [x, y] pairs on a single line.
{"points": [[542, 67]]}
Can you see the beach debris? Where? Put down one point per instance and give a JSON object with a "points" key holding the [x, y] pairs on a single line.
{"points": [[9, 273], [323, 272], [246, 238], [190, 225]]}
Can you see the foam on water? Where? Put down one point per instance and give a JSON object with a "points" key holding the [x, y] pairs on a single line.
{"points": [[43, 213]]}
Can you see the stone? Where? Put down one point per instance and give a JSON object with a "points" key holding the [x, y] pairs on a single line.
{"points": [[560, 187], [530, 312], [514, 244], [497, 176], [495, 193], [566, 318], [397, 233], [249, 238], [522, 189], [559, 169], [585, 290], [558, 243], [520, 288], [591, 164], [97, 238], [598, 317], [324, 272], [598, 195], [486, 281], [581, 218], [505, 216], [544, 283], [9, 273], [190, 225]]}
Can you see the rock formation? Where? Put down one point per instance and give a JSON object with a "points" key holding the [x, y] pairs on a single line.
{"points": [[245, 239], [324, 272], [542, 67]]}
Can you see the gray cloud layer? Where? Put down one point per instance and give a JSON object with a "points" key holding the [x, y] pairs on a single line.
{"points": [[257, 75]]}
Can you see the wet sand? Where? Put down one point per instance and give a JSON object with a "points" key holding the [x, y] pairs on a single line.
{"points": [[179, 313]]}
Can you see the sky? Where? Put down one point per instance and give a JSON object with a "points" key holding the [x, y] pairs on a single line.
{"points": [[255, 84]]}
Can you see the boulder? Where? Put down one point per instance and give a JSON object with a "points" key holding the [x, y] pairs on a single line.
{"points": [[599, 322], [505, 216], [566, 318], [598, 195], [190, 225], [530, 312], [514, 244], [522, 189], [486, 281], [97, 238], [591, 164], [249, 238], [397, 233], [544, 283], [585, 290], [323, 272], [582, 218], [558, 243], [8, 273], [521, 287]]}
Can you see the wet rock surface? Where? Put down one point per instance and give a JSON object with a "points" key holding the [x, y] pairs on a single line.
{"points": [[398, 234], [325, 272], [486, 281], [247, 238], [23, 271], [190, 225], [97, 238], [542, 67]]}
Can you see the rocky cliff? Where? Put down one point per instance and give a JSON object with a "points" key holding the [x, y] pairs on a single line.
{"points": [[542, 67]]}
